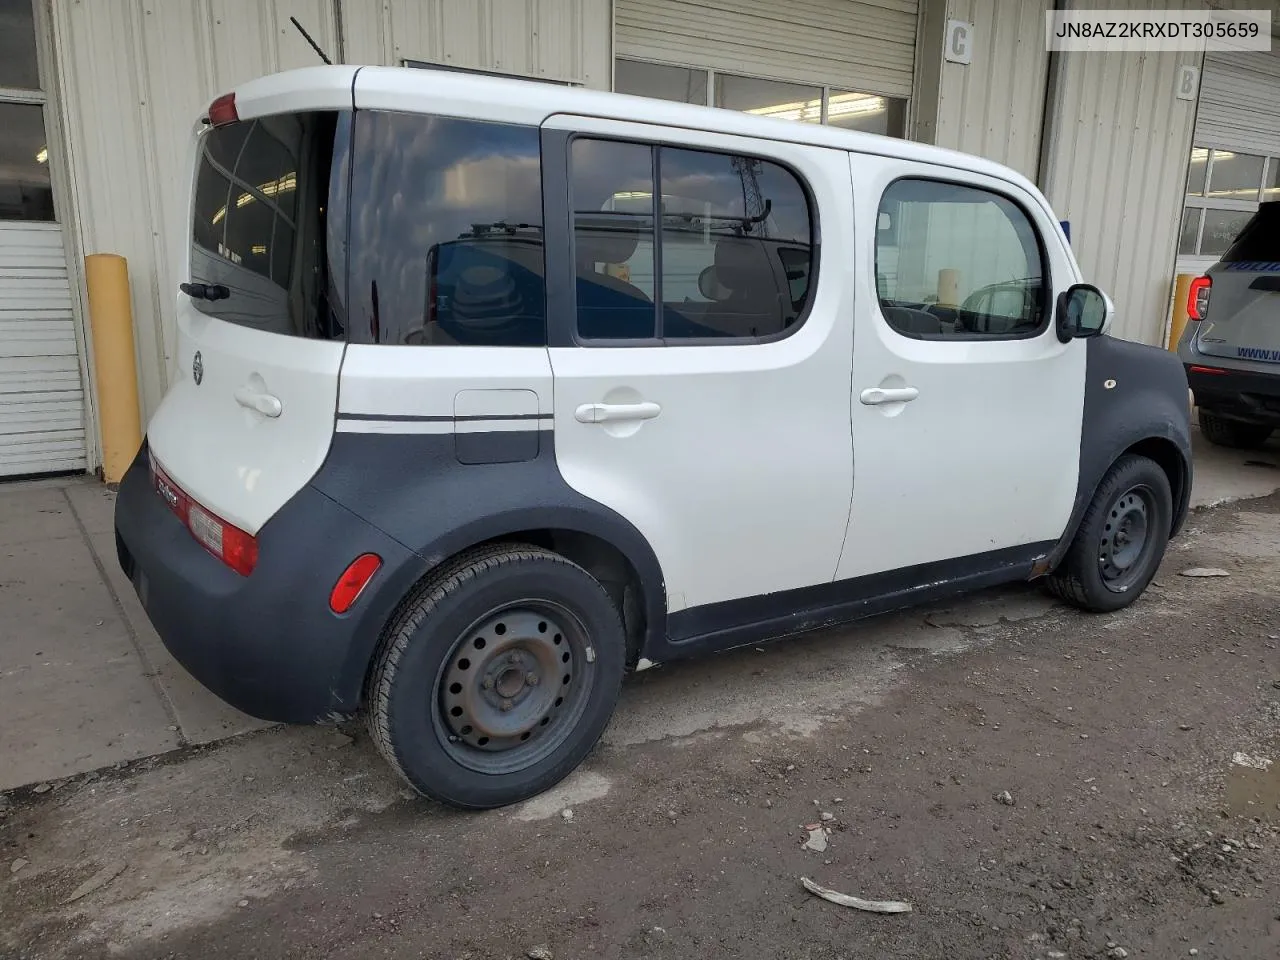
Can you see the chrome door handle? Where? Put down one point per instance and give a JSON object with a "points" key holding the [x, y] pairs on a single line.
{"points": [[264, 403], [874, 395], [614, 412]]}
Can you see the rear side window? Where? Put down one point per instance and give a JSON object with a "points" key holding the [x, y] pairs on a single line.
{"points": [[1259, 240], [957, 262], [446, 232], [679, 245], [268, 223]]}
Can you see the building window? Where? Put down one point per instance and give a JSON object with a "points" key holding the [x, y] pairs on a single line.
{"points": [[955, 262], [18, 67], [1224, 188], [25, 190], [684, 245], [661, 82], [806, 103]]}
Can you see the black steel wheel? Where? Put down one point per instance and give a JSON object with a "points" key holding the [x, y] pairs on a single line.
{"points": [[514, 686], [497, 676], [1121, 539]]}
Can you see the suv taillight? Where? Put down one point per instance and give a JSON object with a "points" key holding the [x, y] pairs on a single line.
{"points": [[1198, 297], [237, 549]]}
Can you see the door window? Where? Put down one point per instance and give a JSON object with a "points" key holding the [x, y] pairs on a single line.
{"points": [[957, 262], [733, 237]]}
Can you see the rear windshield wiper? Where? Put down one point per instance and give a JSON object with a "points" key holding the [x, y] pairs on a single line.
{"points": [[205, 291]]}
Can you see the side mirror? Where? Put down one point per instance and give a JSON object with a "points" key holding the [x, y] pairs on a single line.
{"points": [[709, 284], [1083, 311]]}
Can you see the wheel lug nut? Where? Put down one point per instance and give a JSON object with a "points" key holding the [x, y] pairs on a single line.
{"points": [[506, 704], [488, 683], [531, 679]]}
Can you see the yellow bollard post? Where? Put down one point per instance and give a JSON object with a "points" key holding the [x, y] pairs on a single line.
{"points": [[1178, 323], [949, 287], [115, 369]]}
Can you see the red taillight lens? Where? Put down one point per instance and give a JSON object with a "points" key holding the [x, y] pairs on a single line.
{"points": [[223, 110], [1209, 370], [353, 581], [1198, 297], [237, 549]]}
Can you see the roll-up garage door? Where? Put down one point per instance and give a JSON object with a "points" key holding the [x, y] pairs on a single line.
{"points": [[41, 396], [866, 45], [1240, 103]]}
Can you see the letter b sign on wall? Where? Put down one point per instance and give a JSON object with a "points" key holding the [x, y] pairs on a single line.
{"points": [[958, 43]]}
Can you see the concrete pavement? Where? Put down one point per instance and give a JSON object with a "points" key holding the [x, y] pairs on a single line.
{"points": [[84, 680]]}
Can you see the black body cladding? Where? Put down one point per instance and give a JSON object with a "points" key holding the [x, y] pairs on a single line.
{"points": [[1135, 397]]}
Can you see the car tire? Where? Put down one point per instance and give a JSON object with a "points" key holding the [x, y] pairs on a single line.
{"points": [[1107, 566], [496, 676], [1232, 433]]}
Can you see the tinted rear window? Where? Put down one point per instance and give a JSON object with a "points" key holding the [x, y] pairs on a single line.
{"points": [[1260, 239], [269, 223], [446, 232]]}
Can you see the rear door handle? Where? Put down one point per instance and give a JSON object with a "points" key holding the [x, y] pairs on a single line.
{"points": [[614, 412], [264, 403], [877, 395]]}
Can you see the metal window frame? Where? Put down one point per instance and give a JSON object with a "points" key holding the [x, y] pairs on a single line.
{"points": [[825, 99], [1203, 202]]}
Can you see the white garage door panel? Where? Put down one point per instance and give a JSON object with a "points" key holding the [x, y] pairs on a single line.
{"points": [[1240, 102], [865, 45], [41, 395]]}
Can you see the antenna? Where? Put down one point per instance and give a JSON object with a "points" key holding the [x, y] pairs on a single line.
{"points": [[314, 46]]}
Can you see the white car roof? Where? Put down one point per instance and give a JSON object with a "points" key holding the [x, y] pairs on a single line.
{"points": [[511, 100]]}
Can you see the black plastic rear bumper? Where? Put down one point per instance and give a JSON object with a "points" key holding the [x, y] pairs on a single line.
{"points": [[1240, 395], [268, 643]]}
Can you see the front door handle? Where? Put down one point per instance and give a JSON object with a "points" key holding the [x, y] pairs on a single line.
{"points": [[264, 403], [615, 412], [876, 395]]}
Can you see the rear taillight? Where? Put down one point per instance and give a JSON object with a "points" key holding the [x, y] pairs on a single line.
{"points": [[237, 549], [223, 110], [1198, 297], [353, 581]]}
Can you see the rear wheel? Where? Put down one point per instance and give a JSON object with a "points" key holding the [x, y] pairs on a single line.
{"points": [[1232, 433], [1121, 539], [497, 677]]}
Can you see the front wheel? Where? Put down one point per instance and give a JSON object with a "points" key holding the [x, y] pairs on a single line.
{"points": [[497, 677], [1121, 539]]}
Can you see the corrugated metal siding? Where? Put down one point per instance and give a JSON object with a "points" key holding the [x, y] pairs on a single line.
{"points": [[548, 39], [864, 45], [993, 107], [1115, 168], [134, 75], [41, 396], [1240, 102]]}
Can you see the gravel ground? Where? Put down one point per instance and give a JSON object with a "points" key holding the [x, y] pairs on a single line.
{"points": [[1037, 783]]}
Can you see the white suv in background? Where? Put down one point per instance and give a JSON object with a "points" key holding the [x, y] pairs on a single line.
{"points": [[490, 391], [1231, 346]]}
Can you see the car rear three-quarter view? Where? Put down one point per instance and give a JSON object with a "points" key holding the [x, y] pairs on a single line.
{"points": [[487, 391]]}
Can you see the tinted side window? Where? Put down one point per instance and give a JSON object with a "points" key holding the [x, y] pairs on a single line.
{"points": [[733, 237], [446, 232], [269, 223], [957, 262]]}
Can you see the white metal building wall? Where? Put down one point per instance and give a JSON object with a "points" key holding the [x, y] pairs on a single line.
{"points": [[1240, 102], [993, 106], [41, 397], [548, 39], [863, 45]]}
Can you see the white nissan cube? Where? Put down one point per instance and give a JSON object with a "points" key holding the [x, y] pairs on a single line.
{"points": [[491, 391]]}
